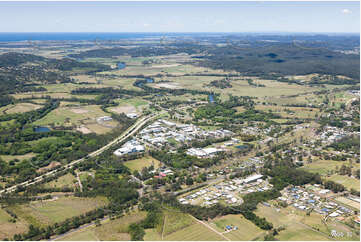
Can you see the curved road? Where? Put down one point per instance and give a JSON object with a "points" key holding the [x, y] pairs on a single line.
{"points": [[129, 132]]}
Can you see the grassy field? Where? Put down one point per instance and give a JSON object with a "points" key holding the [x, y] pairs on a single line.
{"points": [[9, 229], [19, 108], [132, 105], [50, 212], [77, 115], [174, 221], [322, 166], [196, 232], [110, 230], [246, 229], [19, 157], [66, 180], [348, 202], [71, 115], [298, 226], [139, 164], [347, 181], [293, 112], [291, 219], [51, 94]]}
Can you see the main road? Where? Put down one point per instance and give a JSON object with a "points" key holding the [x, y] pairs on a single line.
{"points": [[126, 134]]}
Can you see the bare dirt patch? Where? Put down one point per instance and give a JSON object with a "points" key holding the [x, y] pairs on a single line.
{"points": [[170, 85], [84, 130], [50, 166]]}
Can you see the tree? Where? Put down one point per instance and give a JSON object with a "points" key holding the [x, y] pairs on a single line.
{"points": [[189, 181]]}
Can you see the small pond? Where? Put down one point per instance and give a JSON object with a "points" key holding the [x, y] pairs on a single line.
{"points": [[41, 129]]}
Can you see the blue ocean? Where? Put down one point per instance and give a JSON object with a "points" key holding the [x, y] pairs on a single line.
{"points": [[11, 37]]}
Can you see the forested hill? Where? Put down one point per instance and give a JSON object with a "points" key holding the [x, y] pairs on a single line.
{"points": [[259, 57], [284, 59], [26, 72], [13, 59]]}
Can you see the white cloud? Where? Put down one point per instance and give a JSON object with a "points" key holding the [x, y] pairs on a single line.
{"points": [[346, 11], [146, 25]]}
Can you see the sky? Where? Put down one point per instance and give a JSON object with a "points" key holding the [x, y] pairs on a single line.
{"points": [[180, 17]]}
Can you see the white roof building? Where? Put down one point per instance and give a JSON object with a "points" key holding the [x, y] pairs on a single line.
{"points": [[252, 178]]}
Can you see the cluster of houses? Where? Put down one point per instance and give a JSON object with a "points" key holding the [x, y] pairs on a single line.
{"points": [[331, 134], [227, 191], [130, 147], [210, 196], [162, 172], [312, 198], [163, 132]]}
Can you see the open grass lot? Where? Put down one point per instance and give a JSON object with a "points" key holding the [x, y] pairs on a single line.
{"points": [[246, 229], [66, 180], [77, 115], [19, 108], [290, 218], [53, 211], [9, 229], [133, 105], [82, 235], [19, 157], [347, 181], [272, 89], [152, 235], [297, 232], [51, 94], [196, 232], [322, 166], [139, 164], [101, 81], [174, 221], [110, 230], [290, 112], [136, 102], [299, 226], [348, 202]]}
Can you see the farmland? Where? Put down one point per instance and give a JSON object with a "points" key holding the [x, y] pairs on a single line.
{"points": [[112, 230], [57, 210], [246, 229], [19, 108]]}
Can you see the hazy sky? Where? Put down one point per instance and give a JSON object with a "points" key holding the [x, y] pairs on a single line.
{"points": [[179, 16]]}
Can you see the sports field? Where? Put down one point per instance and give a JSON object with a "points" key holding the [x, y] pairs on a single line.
{"points": [[139, 164]]}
